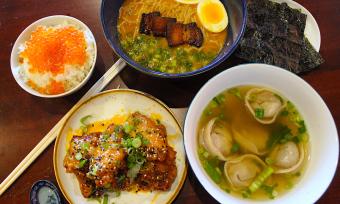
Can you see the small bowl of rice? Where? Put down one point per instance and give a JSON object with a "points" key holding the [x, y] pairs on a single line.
{"points": [[54, 56]]}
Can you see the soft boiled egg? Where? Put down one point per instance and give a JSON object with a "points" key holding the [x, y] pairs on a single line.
{"points": [[212, 15]]}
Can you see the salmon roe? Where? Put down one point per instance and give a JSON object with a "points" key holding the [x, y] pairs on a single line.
{"points": [[49, 50]]}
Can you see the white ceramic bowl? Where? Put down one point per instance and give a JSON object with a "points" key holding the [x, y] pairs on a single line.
{"points": [[25, 35], [322, 130]]}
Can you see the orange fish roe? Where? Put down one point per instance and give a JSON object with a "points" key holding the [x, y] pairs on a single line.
{"points": [[50, 49], [53, 88]]}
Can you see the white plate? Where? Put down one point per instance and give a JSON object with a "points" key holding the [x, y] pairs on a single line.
{"points": [[104, 106], [312, 31], [324, 144], [25, 36]]}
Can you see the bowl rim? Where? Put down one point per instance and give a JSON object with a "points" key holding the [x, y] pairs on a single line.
{"points": [[101, 94], [150, 72], [38, 22], [195, 163]]}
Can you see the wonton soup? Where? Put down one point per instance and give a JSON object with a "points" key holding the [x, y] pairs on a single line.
{"points": [[154, 52], [253, 143]]}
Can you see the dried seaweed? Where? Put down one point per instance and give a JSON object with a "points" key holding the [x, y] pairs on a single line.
{"points": [[275, 35]]}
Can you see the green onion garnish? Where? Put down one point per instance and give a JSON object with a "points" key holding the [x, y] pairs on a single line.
{"points": [[259, 180], [78, 156], [137, 142], [106, 199], [259, 113], [235, 147], [128, 128], [83, 119], [82, 163]]}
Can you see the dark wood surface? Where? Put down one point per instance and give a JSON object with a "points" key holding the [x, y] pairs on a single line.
{"points": [[25, 119]]}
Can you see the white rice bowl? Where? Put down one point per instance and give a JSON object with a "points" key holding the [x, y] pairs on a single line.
{"points": [[74, 76]]}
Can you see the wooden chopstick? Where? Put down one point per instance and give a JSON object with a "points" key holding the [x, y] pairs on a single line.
{"points": [[50, 136]]}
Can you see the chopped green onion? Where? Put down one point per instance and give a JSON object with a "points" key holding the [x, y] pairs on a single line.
{"points": [[132, 172], [145, 141], [218, 170], [206, 154], [259, 113], [137, 142], [218, 100], [214, 175], [106, 136], [85, 146], [83, 120], [278, 133], [236, 92], [235, 148], [94, 170], [302, 127], [106, 199], [105, 145], [207, 111], [78, 156], [127, 142], [270, 190], [118, 128], [128, 128], [257, 183], [82, 163], [83, 128], [269, 161], [121, 178], [284, 113]]}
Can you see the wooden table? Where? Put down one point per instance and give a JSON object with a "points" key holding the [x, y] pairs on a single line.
{"points": [[25, 119]]}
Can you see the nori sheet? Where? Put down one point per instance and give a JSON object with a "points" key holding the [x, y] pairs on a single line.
{"points": [[275, 35]]}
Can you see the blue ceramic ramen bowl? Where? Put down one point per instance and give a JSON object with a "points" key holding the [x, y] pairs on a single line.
{"points": [[237, 14]]}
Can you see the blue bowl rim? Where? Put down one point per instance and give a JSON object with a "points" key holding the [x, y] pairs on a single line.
{"points": [[147, 71]]}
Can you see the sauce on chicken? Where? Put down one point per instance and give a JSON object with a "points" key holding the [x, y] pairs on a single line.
{"points": [[130, 156]]}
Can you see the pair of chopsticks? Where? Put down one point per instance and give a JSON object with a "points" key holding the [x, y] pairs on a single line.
{"points": [[46, 141]]}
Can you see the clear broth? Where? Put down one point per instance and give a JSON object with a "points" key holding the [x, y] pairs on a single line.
{"points": [[232, 110]]}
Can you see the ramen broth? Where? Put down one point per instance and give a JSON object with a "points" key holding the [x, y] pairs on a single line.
{"points": [[154, 52], [230, 110]]}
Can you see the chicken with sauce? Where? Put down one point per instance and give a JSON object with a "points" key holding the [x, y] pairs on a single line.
{"points": [[131, 156]]}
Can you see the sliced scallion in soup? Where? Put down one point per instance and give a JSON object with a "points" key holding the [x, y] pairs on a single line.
{"points": [[252, 142], [156, 53]]}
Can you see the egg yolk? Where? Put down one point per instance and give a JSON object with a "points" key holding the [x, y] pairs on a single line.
{"points": [[213, 13]]}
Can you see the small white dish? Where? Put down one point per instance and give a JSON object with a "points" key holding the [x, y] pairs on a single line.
{"points": [[323, 137], [26, 34], [104, 106], [312, 31]]}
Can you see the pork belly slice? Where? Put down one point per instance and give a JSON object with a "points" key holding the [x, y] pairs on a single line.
{"points": [[159, 25], [146, 22], [174, 34], [179, 33], [193, 35]]}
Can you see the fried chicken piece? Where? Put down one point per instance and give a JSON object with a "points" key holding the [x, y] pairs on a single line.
{"points": [[106, 164], [146, 22], [156, 175], [155, 134]]}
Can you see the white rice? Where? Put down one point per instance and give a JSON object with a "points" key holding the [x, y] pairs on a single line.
{"points": [[73, 74]]}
